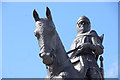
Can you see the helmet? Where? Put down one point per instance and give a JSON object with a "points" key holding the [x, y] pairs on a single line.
{"points": [[86, 28], [83, 18]]}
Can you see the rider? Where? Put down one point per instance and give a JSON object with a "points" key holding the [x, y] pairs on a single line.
{"points": [[90, 47]]}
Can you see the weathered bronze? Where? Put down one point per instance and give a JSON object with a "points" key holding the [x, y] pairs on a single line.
{"points": [[85, 59], [84, 53], [52, 52]]}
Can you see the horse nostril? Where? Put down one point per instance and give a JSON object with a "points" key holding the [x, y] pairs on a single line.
{"points": [[37, 35], [44, 54], [41, 55]]}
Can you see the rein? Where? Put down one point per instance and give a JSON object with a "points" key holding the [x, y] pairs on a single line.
{"points": [[74, 50], [79, 47], [65, 62]]}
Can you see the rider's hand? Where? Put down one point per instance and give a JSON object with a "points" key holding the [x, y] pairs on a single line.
{"points": [[84, 45]]}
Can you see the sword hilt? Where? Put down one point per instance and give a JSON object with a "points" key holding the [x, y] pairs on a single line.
{"points": [[101, 66]]}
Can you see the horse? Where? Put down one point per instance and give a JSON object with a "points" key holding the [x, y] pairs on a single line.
{"points": [[52, 51]]}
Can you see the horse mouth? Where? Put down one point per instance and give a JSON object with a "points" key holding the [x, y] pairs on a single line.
{"points": [[38, 36], [47, 59]]}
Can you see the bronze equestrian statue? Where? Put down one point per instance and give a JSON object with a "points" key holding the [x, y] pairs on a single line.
{"points": [[85, 49]]}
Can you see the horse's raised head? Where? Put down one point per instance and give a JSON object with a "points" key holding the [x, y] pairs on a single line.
{"points": [[45, 33]]}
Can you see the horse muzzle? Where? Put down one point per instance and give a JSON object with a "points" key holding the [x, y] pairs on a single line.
{"points": [[47, 58], [37, 35]]}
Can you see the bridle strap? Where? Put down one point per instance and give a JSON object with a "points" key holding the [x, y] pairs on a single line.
{"points": [[74, 50], [65, 62]]}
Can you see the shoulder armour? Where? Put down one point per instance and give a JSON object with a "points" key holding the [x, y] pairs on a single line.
{"points": [[94, 34]]}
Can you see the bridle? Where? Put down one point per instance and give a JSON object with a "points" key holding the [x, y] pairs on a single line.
{"points": [[61, 66], [52, 53]]}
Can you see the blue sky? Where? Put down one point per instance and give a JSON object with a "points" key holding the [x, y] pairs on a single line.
{"points": [[20, 47]]}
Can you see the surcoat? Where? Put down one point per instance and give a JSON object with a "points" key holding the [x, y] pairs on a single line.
{"points": [[86, 58]]}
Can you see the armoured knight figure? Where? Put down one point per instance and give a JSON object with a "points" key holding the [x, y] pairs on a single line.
{"points": [[90, 44]]}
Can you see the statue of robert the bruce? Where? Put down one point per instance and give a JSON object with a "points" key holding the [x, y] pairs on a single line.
{"points": [[85, 59]]}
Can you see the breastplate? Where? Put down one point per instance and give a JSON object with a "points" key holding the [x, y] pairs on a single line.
{"points": [[83, 39]]}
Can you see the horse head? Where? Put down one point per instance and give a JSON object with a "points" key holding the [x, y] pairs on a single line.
{"points": [[45, 34]]}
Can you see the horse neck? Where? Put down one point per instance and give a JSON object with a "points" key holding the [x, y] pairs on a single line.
{"points": [[60, 50], [61, 57]]}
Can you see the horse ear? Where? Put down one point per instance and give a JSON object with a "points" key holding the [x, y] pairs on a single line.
{"points": [[48, 13], [35, 15]]}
